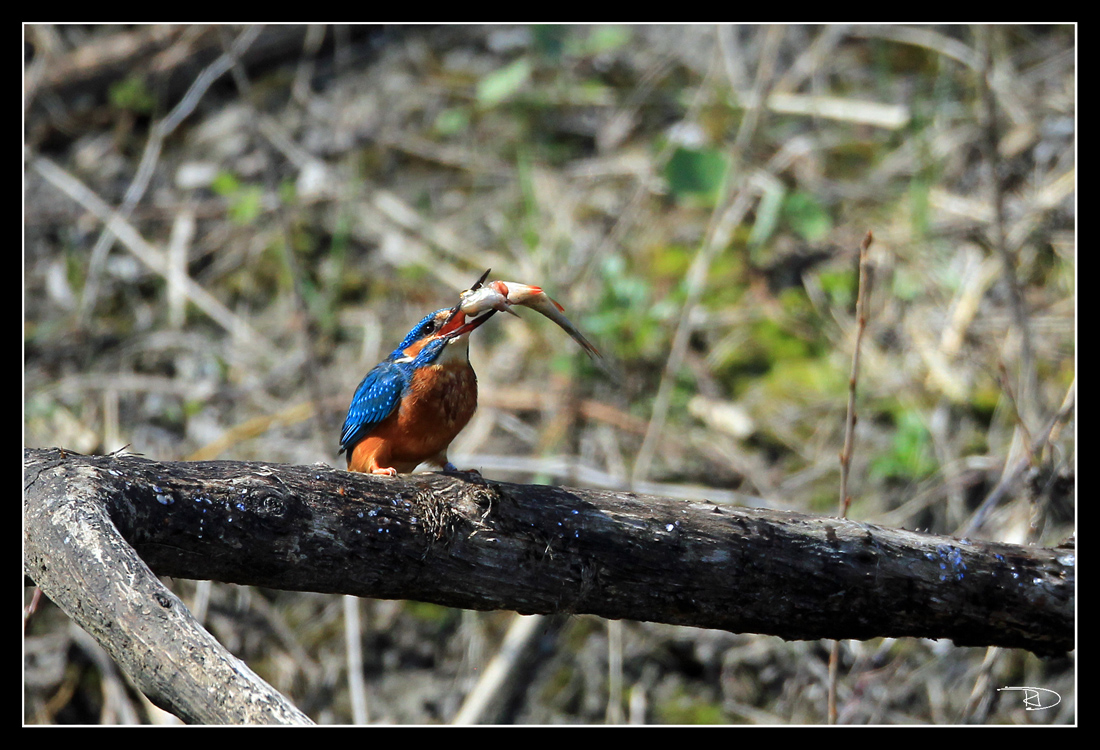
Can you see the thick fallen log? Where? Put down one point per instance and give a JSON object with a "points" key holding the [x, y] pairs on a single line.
{"points": [[93, 523]]}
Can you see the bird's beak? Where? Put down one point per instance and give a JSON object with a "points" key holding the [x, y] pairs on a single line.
{"points": [[453, 321], [458, 322], [479, 282]]}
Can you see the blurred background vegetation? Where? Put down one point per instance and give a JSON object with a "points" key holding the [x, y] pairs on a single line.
{"points": [[285, 202]]}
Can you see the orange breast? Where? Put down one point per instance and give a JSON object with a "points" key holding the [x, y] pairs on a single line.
{"points": [[440, 401]]}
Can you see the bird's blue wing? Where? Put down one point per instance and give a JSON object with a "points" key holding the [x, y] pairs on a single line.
{"points": [[375, 399]]}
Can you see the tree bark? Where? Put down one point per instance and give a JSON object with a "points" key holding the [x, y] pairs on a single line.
{"points": [[462, 541], [74, 551]]}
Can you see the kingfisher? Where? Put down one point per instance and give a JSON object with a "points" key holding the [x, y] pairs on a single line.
{"points": [[410, 406]]}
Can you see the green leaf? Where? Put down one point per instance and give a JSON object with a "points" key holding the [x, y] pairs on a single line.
{"points": [[225, 184], [607, 38], [920, 205], [452, 120], [767, 213], [697, 173], [807, 217], [502, 84], [132, 94], [840, 286], [549, 40], [245, 204], [911, 455]]}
